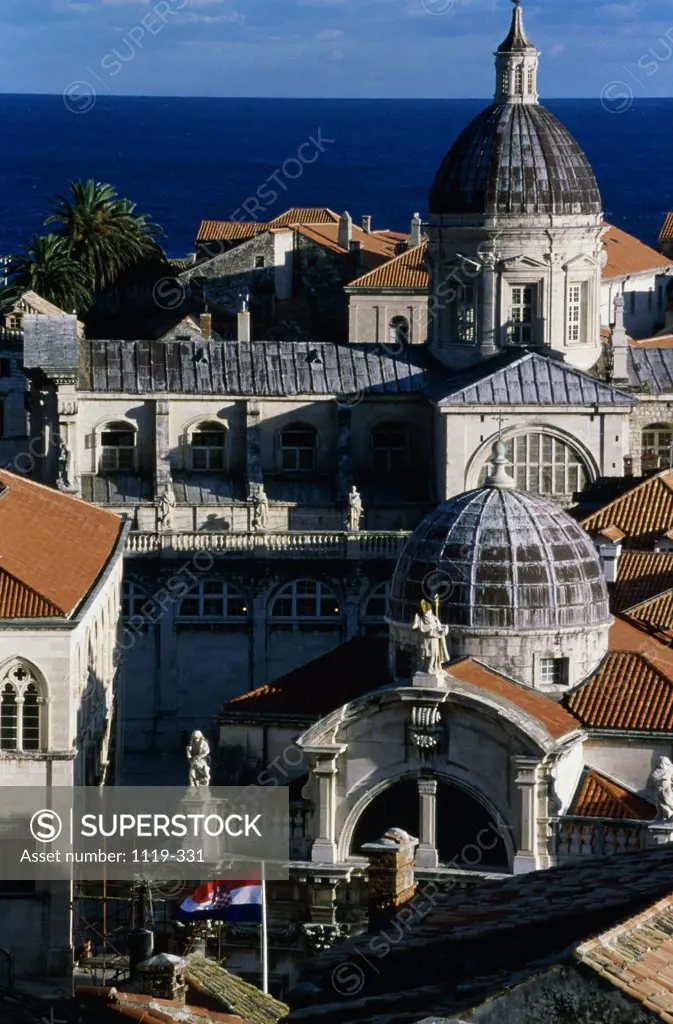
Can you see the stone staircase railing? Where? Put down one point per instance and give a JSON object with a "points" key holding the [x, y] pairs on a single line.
{"points": [[596, 837]]}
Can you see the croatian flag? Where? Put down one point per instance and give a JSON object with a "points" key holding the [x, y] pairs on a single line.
{"points": [[224, 901]]}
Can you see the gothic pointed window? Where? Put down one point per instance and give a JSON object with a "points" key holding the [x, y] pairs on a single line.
{"points": [[30, 725], [8, 717]]}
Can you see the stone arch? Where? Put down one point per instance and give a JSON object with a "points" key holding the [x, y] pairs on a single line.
{"points": [[200, 423], [445, 776], [480, 455]]}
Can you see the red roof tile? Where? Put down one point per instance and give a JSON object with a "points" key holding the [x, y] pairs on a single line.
{"points": [[305, 215], [666, 233], [313, 690], [641, 575], [228, 230], [406, 272], [600, 797], [377, 246], [53, 545], [628, 255], [551, 715], [643, 513]]}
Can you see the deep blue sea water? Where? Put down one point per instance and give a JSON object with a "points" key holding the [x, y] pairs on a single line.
{"points": [[183, 160]]}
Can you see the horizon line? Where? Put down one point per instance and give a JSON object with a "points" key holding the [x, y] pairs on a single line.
{"points": [[333, 99]]}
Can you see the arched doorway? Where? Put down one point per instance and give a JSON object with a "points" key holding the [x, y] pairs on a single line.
{"points": [[467, 836]]}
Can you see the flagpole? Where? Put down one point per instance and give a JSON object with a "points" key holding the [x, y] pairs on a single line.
{"points": [[265, 948]]}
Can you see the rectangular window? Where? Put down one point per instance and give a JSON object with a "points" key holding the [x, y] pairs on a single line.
{"points": [[531, 80], [576, 303], [552, 671], [260, 262], [518, 80], [522, 313], [466, 315]]}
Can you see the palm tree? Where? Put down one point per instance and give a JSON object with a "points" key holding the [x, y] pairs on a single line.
{"points": [[47, 266], [105, 233]]}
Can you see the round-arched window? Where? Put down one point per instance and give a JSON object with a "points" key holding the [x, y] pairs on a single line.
{"points": [[398, 331], [543, 464], [305, 599], [118, 448], [213, 599], [208, 447]]}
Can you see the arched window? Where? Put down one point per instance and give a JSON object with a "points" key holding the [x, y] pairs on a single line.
{"points": [[213, 599], [398, 331], [305, 599], [118, 448], [543, 464], [8, 718], [30, 728], [375, 611], [657, 446], [390, 448], [298, 444], [21, 706], [208, 447]]}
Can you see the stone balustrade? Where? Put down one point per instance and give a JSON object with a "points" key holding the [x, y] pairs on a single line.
{"points": [[324, 544], [596, 837]]}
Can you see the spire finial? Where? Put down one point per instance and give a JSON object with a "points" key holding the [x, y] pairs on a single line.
{"points": [[499, 477]]}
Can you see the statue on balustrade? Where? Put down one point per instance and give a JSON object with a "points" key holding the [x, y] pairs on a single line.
{"points": [[260, 511], [662, 780], [165, 506], [432, 635], [355, 510], [198, 756]]}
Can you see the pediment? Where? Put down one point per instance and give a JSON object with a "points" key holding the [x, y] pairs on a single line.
{"points": [[523, 262]]}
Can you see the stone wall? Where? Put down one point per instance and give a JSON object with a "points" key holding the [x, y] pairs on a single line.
{"points": [[649, 411]]}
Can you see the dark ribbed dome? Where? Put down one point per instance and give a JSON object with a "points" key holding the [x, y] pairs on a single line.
{"points": [[515, 158], [502, 559]]}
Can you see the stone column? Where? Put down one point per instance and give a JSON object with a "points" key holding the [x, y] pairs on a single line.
{"points": [[391, 875], [162, 447], [253, 415], [489, 335], [527, 780], [324, 849], [344, 460], [427, 856]]}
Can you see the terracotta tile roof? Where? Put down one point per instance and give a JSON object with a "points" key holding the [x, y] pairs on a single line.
{"points": [[476, 943], [305, 215], [643, 513], [110, 1004], [313, 690], [637, 958], [52, 544], [658, 341], [641, 575], [17, 601], [406, 272], [228, 230], [666, 233], [612, 533], [599, 797], [555, 718], [628, 255], [377, 246], [656, 613], [629, 691]]}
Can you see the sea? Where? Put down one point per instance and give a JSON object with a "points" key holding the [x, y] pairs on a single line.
{"points": [[185, 160]]}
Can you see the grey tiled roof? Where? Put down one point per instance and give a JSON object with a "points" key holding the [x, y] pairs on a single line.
{"points": [[526, 379], [265, 368], [50, 342], [652, 369], [116, 489], [207, 488]]}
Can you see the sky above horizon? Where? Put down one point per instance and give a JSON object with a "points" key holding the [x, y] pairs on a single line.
{"points": [[328, 48]]}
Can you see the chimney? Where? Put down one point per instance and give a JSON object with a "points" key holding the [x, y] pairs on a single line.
{"points": [[367, 225], [620, 344], [206, 324], [163, 977], [244, 326], [391, 875], [416, 231], [608, 543], [345, 231]]}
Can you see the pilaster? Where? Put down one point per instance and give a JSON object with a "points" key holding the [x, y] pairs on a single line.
{"points": [[426, 854], [526, 780]]}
